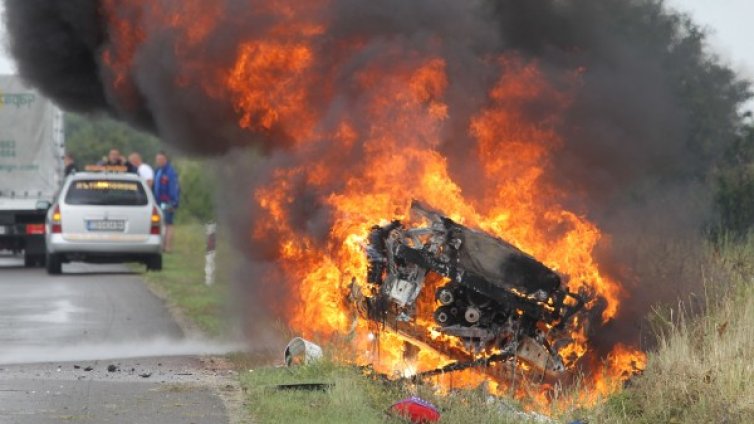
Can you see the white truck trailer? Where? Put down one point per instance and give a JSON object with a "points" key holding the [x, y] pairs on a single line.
{"points": [[31, 167]]}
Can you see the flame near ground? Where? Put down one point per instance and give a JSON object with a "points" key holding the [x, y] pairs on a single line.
{"points": [[385, 145]]}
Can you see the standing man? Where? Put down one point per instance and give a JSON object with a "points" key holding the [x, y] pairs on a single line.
{"points": [[167, 191], [142, 169], [114, 158], [70, 164]]}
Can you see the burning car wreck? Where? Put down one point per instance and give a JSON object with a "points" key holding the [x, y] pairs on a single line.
{"points": [[489, 294]]}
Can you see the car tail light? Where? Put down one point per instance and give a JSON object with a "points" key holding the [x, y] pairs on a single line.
{"points": [[156, 228], [35, 229], [56, 223]]}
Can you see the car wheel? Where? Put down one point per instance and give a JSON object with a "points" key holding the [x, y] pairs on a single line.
{"points": [[54, 264], [154, 263]]}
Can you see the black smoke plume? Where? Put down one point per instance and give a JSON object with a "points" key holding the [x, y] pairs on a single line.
{"points": [[653, 113]]}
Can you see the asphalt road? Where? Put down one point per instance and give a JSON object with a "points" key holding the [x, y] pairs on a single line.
{"points": [[95, 346]]}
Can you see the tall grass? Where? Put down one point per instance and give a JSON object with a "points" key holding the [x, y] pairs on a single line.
{"points": [[703, 368]]}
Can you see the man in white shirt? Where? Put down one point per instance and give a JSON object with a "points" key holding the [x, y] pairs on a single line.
{"points": [[142, 169]]}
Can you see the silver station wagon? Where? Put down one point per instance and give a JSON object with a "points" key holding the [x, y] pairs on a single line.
{"points": [[104, 217]]}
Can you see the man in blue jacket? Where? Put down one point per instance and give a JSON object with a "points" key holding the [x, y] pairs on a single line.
{"points": [[167, 192]]}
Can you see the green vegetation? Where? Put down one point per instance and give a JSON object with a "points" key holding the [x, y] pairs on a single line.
{"points": [[735, 196], [702, 370], [197, 191], [90, 138], [182, 281], [353, 397]]}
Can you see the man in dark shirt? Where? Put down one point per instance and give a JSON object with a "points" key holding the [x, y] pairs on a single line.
{"points": [[114, 158], [70, 164]]}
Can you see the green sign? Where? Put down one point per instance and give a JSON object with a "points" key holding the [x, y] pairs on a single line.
{"points": [[7, 149], [18, 100]]}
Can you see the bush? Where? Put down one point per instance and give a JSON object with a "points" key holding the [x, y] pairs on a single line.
{"points": [[197, 191], [735, 194]]}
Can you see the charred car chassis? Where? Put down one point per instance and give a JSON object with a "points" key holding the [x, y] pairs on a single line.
{"points": [[495, 298]]}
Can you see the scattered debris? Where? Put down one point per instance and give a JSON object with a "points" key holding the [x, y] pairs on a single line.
{"points": [[416, 411], [300, 351], [310, 387], [507, 408]]}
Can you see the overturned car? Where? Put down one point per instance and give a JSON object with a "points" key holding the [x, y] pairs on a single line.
{"points": [[492, 296]]}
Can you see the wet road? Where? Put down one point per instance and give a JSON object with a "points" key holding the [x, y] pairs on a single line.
{"points": [[65, 343]]}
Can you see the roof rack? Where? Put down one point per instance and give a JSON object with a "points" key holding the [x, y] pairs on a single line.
{"points": [[114, 169]]}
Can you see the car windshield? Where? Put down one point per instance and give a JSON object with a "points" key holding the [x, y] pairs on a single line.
{"points": [[104, 192]]}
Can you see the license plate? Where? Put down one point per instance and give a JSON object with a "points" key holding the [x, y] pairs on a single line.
{"points": [[107, 226]]}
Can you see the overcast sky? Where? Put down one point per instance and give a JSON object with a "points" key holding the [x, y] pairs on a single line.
{"points": [[728, 20], [5, 63]]}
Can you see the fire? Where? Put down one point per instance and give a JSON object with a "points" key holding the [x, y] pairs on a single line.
{"points": [[380, 143]]}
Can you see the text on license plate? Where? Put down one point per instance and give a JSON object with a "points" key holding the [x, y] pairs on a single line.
{"points": [[109, 225]]}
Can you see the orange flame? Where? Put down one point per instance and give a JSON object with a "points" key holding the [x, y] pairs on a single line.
{"points": [[367, 163]]}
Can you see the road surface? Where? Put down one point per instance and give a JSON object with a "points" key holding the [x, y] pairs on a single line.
{"points": [[95, 346]]}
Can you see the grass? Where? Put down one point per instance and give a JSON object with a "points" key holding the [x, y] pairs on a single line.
{"points": [[703, 367], [353, 398], [182, 281]]}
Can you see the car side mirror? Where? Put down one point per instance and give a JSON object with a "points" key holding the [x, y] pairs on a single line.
{"points": [[43, 205]]}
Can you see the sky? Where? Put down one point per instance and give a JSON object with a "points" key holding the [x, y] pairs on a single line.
{"points": [[729, 22], [6, 64], [730, 26]]}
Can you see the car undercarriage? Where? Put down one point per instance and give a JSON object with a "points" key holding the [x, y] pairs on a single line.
{"points": [[492, 296]]}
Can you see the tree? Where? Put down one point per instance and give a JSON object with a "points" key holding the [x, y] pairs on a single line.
{"points": [[89, 138], [735, 196]]}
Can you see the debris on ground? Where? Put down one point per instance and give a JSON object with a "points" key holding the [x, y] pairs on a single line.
{"points": [[300, 351], [87, 369], [112, 368], [145, 375], [310, 387], [507, 408], [416, 411]]}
